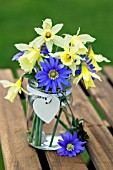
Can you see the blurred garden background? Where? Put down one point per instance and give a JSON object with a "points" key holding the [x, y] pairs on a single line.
{"points": [[18, 19]]}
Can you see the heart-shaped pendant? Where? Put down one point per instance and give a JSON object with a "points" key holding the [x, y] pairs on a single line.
{"points": [[46, 109]]}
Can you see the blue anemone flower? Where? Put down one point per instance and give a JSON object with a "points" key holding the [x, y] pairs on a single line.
{"points": [[53, 75], [18, 55], [70, 145]]}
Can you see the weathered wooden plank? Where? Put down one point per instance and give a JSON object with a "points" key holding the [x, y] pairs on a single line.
{"points": [[99, 135], [105, 139], [108, 70], [83, 108], [55, 161], [97, 153], [18, 155], [103, 95], [64, 163]]}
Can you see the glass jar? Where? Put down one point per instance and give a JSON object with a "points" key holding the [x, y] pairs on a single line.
{"points": [[42, 135]]}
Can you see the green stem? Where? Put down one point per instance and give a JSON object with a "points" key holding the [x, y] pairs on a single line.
{"points": [[30, 139], [40, 132], [55, 127], [64, 125], [37, 131], [67, 117]]}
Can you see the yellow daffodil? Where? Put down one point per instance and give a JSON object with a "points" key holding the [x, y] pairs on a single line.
{"points": [[78, 42], [97, 58], [48, 35], [87, 77], [28, 60], [14, 89]]}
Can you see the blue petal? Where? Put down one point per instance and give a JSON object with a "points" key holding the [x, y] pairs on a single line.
{"points": [[18, 55], [64, 71], [69, 136], [44, 66], [44, 83], [60, 85], [93, 71], [54, 86], [78, 72], [47, 87], [89, 62], [56, 62], [86, 58], [40, 74], [43, 79], [91, 66], [64, 81], [51, 62], [60, 150], [47, 63], [59, 67]]}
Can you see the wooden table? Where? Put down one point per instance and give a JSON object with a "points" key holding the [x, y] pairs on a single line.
{"points": [[18, 155]]}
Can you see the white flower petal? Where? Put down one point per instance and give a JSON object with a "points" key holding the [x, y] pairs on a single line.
{"points": [[47, 24], [67, 40], [95, 76], [57, 28], [6, 83], [49, 45], [56, 55], [73, 68], [100, 58], [77, 79], [37, 42], [59, 41], [23, 47], [86, 38], [39, 31]]}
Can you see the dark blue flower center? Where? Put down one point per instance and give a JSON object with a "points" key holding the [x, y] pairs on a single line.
{"points": [[53, 74], [70, 147]]}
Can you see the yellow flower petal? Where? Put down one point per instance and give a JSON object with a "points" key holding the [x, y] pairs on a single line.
{"points": [[85, 73], [28, 61], [89, 83]]}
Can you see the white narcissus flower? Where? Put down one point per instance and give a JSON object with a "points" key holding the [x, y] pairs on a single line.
{"points": [[68, 56], [28, 60], [48, 35], [14, 89], [78, 42]]}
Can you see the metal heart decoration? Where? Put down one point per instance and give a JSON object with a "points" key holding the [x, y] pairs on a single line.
{"points": [[46, 109]]}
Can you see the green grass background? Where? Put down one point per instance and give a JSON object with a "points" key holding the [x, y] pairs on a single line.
{"points": [[18, 19]]}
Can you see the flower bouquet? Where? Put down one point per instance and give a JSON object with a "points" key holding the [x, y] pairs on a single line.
{"points": [[52, 63]]}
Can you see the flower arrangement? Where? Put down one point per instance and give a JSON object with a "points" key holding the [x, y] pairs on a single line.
{"points": [[49, 61]]}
